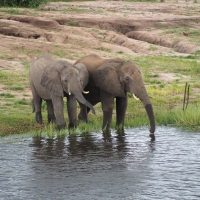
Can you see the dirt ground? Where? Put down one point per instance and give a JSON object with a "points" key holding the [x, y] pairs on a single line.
{"points": [[107, 28]]}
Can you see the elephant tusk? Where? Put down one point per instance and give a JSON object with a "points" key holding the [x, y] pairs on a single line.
{"points": [[85, 92], [69, 89], [135, 97]]}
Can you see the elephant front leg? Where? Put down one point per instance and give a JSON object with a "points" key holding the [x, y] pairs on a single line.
{"points": [[107, 101], [58, 107], [72, 111], [37, 102], [51, 116], [38, 112], [121, 106]]}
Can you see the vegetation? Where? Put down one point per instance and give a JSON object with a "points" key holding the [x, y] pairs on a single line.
{"points": [[22, 3]]}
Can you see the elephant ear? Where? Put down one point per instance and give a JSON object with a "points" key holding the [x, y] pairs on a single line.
{"points": [[51, 78], [83, 72], [107, 79]]}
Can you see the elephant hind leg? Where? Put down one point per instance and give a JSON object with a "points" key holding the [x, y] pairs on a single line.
{"points": [[84, 110], [50, 112]]}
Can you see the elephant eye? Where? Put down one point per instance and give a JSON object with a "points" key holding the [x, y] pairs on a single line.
{"points": [[126, 79]]}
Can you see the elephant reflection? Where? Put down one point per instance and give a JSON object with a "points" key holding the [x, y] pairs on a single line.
{"points": [[78, 145]]}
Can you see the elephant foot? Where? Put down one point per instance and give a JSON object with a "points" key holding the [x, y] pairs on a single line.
{"points": [[51, 118], [72, 125], [38, 117], [83, 118], [152, 136], [60, 127], [106, 131], [120, 131]]}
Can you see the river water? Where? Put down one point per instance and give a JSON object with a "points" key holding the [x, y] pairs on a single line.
{"points": [[93, 166]]}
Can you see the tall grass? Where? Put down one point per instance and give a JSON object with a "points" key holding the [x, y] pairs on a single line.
{"points": [[188, 119]]}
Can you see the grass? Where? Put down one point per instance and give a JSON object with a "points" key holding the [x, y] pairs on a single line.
{"points": [[103, 49], [13, 11], [7, 95], [73, 24]]}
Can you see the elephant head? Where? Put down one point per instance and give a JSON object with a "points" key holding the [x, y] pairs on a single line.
{"points": [[61, 78], [120, 77]]}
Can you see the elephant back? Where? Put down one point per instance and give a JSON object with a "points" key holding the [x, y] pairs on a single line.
{"points": [[41, 62]]}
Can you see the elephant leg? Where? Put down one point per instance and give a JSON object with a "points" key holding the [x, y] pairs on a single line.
{"points": [[107, 101], [51, 116], [58, 107], [72, 111], [38, 112], [37, 101], [121, 106], [84, 110], [83, 115]]}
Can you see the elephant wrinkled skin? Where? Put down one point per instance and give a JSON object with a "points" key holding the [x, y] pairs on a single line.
{"points": [[51, 80], [113, 78]]}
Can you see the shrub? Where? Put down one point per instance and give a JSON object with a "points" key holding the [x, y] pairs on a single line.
{"points": [[22, 3]]}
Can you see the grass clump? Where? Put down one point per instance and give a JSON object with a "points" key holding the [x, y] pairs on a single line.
{"points": [[7, 95], [189, 119], [22, 102], [13, 11], [73, 24], [103, 49]]}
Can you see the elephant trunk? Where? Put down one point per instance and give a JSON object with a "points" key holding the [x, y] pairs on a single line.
{"points": [[150, 114], [76, 90], [82, 100], [143, 96]]}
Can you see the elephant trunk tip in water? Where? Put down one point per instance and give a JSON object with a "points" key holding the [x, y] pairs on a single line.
{"points": [[152, 136]]}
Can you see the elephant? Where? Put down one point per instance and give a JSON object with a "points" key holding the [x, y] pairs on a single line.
{"points": [[52, 80], [113, 78]]}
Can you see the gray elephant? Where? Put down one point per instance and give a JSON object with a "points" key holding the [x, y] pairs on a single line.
{"points": [[113, 78], [51, 80]]}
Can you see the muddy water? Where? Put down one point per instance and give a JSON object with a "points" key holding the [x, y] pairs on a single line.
{"points": [[93, 166]]}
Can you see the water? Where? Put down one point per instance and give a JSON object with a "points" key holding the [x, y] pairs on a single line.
{"points": [[91, 166]]}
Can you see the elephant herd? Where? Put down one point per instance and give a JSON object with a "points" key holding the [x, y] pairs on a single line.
{"points": [[89, 80]]}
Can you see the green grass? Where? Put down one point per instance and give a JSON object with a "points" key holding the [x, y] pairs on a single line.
{"points": [[188, 119], [13, 11], [7, 95], [73, 24], [103, 49]]}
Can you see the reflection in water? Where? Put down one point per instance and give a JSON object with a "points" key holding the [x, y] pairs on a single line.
{"points": [[78, 145], [96, 166]]}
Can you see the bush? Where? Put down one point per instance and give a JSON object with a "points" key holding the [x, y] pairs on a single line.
{"points": [[22, 3]]}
